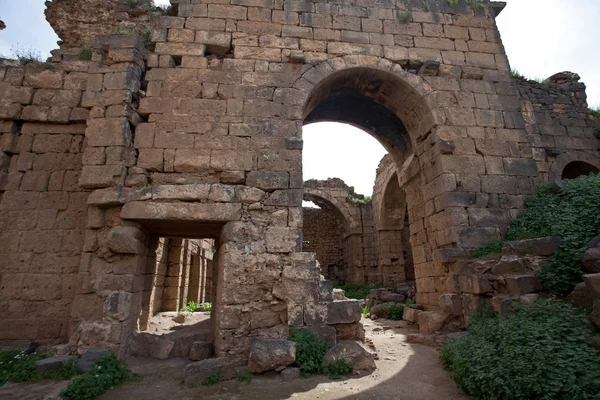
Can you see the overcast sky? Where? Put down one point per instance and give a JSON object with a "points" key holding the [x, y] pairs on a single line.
{"points": [[541, 37]]}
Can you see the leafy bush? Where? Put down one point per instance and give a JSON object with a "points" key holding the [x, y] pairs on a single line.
{"points": [[105, 374], [212, 380], [595, 111], [361, 201], [395, 311], [190, 307], [337, 368], [539, 352], [490, 248], [358, 291], [310, 351], [207, 306], [573, 214], [17, 366]]}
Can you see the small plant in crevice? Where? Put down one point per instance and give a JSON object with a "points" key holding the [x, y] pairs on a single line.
{"points": [[597, 133], [147, 39], [245, 377], [105, 374], [404, 17], [85, 54], [337, 368], [365, 311], [213, 379], [26, 55], [491, 248], [310, 351], [595, 112]]}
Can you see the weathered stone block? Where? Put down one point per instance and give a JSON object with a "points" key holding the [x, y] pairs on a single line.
{"points": [[201, 351], [593, 283], [344, 312], [217, 212], [126, 240], [518, 285], [354, 354], [271, 355], [545, 246], [431, 321]]}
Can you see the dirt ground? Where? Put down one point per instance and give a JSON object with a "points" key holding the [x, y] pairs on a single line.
{"points": [[405, 371]]}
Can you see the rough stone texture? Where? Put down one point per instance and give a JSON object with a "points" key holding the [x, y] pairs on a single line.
{"points": [[52, 363], [91, 357], [290, 373], [201, 351], [354, 353], [467, 144], [197, 372], [344, 312], [271, 355], [581, 296]]}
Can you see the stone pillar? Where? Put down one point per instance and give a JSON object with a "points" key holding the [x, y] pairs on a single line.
{"points": [[195, 275], [172, 286]]}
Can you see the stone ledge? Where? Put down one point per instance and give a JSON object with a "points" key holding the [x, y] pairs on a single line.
{"points": [[216, 212]]}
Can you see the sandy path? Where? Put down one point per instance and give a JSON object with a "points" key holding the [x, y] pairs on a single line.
{"points": [[405, 371]]}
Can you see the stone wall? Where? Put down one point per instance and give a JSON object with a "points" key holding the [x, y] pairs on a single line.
{"points": [[323, 235], [198, 134], [43, 212], [560, 127]]}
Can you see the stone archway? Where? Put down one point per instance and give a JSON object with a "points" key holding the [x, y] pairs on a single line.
{"points": [[393, 106], [571, 164]]}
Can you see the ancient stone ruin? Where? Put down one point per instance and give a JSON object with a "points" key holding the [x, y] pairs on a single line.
{"points": [[150, 133]]}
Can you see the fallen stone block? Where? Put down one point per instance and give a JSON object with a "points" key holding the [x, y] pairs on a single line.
{"points": [[354, 331], [201, 351], [509, 264], [581, 296], [545, 246], [271, 355], [344, 312], [91, 357], [393, 297], [411, 314], [451, 304], [593, 283], [519, 285], [475, 284], [379, 310], [354, 353], [52, 363], [290, 373], [431, 321], [339, 294], [324, 332]]}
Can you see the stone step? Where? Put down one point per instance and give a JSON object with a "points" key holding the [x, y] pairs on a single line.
{"points": [[170, 345]]}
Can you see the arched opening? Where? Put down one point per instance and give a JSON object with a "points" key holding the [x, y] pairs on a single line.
{"points": [[386, 107], [575, 169]]}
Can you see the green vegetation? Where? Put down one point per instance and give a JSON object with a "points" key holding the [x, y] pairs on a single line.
{"points": [[131, 3], [491, 248], [539, 352], [105, 374], [194, 306], [597, 133], [245, 377], [365, 311], [310, 351], [475, 5], [26, 55], [337, 368], [358, 199], [212, 380], [517, 75], [358, 291], [395, 311], [85, 54], [18, 366], [573, 214], [147, 39], [595, 111]]}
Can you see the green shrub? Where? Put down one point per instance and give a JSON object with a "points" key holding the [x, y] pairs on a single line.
{"points": [[395, 311], [337, 368], [212, 380], [105, 374], [364, 201], [85, 54], [358, 291], [490, 248], [539, 352], [573, 214], [207, 306], [17, 366], [190, 307], [595, 111], [310, 351]]}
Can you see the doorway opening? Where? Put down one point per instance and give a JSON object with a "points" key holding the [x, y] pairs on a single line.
{"points": [[179, 298], [575, 169]]}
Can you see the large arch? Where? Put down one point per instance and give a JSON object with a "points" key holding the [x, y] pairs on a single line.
{"points": [[586, 160], [392, 105]]}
